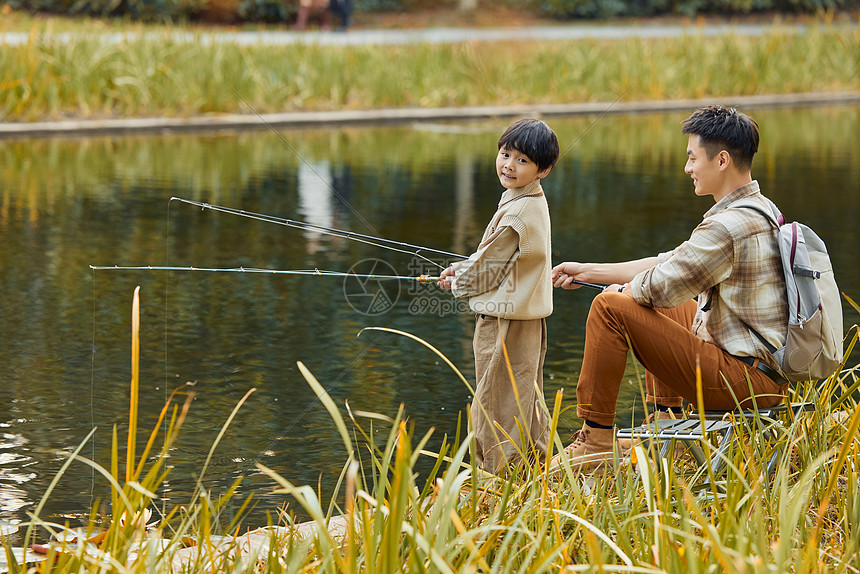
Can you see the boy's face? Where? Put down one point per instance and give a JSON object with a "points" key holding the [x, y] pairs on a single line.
{"points": [[515, 169]]}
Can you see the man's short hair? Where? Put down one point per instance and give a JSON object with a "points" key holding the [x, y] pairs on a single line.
{"points": [[723, 128], [533, 138]]}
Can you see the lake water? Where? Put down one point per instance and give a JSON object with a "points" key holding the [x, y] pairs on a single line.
{"points": [[617, 193]]}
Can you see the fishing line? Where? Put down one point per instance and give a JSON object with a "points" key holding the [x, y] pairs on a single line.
{"points": [[292, 149], [166, 310], [371, 240], [318, 272], [597, 119], [93, 396], [312, 404], [327, 184], [375, 241], [381, 242], [311, 272]]}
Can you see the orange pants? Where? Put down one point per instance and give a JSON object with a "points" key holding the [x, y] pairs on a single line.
{"points": [[662, 342]]}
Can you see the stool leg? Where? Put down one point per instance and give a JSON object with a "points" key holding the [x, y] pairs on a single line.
{"points": [[718, 462], [772, 437], [696, 449], [667, 448]]}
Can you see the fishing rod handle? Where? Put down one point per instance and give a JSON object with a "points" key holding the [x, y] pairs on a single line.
{"points": [[597, 286]]}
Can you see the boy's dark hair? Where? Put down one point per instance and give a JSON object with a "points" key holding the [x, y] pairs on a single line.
{"points": [[533, 138], [723, 128]]}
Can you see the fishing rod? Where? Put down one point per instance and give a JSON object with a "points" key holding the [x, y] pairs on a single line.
{"points": [[381, 242], [419, 278], [597, 286], [318, 272], [367, 239]]}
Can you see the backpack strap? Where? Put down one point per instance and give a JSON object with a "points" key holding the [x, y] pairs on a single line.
{"points": [[775, 216], [778, 220], [710, 301], [759, 336]]}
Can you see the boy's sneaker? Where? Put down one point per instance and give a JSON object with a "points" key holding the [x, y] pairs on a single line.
{"points": [[592, 449]]}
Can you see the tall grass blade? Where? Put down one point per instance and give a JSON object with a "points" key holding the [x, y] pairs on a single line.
{"points": [[135, 381], [445, 359], [53, 484], [223, 431], [332, 409], [599, 534]]}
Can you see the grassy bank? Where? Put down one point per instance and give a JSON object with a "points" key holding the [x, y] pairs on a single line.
{"points": [[156, 75], [645, 517]]}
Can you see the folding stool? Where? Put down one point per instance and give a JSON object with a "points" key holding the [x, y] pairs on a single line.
{"points": [[726, 427]]}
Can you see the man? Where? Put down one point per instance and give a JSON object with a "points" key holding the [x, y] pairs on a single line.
{"points": [[732, 263]]}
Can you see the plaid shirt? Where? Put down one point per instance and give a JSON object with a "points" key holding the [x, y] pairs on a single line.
{"points": [[732, 263]]}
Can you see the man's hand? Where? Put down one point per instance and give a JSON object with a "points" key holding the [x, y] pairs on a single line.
{"points": [[564, 273], [616, 288], [444, 282]]}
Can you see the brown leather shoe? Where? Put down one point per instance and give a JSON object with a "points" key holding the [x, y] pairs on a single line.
{"points": [[592, 449]]}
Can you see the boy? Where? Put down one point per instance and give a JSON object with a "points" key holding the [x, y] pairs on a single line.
{"points": [[509, 286]]}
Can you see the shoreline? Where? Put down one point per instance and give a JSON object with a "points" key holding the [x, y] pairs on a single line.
{"points": [[393, 116], [431, 35]]}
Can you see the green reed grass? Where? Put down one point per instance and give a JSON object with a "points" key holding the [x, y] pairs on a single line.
{"points": [[153, 74], [651, 515]]}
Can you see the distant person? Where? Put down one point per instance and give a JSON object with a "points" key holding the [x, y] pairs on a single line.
{"points": [[343, 10], [508, 283], [731, 262], [308, 8]]}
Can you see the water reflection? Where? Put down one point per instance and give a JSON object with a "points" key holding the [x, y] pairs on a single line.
{"points": [[315, 200], [13, 473], [619, 193]]}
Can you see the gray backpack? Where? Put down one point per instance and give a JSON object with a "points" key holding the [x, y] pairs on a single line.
{"points": [[813, 339]]}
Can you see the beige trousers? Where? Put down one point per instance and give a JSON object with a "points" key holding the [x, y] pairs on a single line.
{"points": [[515, 404]]}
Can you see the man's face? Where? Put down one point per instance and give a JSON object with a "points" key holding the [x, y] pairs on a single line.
{"points": [[515, 169], [705, 172]]}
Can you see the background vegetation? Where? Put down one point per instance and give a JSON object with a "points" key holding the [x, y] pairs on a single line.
{"points": [[285, 10], [637, 8], [159, 74]]}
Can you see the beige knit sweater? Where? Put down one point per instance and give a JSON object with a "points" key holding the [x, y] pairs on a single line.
{"points": [[509, 275]]}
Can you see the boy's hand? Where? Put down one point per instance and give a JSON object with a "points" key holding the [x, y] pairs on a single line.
{"points": [[564, 273], [444, 282]]}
